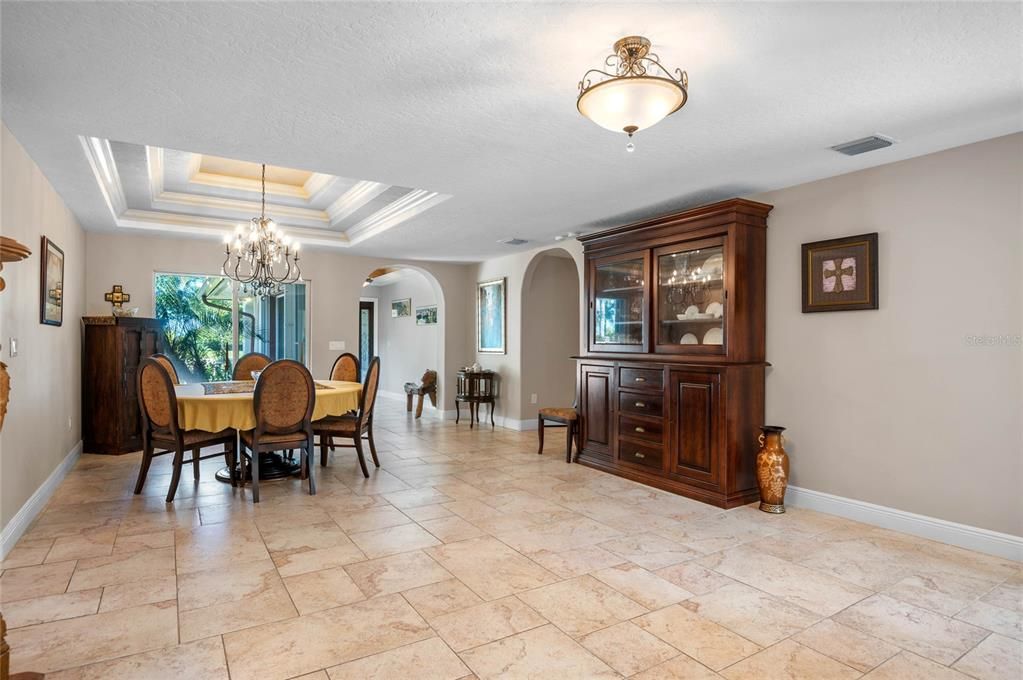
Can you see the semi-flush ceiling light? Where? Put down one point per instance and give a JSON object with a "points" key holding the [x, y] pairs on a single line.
{"points": [[639, 93]]}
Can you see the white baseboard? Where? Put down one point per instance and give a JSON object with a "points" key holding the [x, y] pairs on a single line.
{"points": [[35, 504], [962, 535]]}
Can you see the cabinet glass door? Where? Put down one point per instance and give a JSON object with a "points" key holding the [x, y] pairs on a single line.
{"points": [[690, 298], [619, 301]]}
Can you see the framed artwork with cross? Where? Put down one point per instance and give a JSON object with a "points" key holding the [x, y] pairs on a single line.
{"points": [[840, 274], [117, 296]]}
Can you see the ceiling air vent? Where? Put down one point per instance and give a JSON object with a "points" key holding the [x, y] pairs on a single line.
{"points": [[858, 146], [513, 241]]}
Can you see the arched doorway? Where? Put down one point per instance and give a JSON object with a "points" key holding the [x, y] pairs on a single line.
{"points": [[401, 312], [550, 331]]}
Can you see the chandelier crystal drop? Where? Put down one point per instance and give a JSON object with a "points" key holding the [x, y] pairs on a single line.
{"points": [[636, 92], [264, 258]]}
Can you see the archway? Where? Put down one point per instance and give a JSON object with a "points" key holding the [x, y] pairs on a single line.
{"points": [[550, 331], [410, 339]]}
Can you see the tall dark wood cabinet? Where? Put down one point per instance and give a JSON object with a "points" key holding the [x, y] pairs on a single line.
{"points": [[111, 351], [671, 388]]}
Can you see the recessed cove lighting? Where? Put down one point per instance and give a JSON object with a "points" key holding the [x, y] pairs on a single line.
{"points": [[513, 241]]}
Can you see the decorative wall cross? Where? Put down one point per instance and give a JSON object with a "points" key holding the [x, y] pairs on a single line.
{"points": [[117, 297]]}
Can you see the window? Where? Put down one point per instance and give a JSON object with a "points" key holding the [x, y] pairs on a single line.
{"points": [[203, 318]]}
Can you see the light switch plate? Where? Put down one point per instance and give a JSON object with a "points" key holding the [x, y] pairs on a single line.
{"points": [[12, 345], [337, 345]]}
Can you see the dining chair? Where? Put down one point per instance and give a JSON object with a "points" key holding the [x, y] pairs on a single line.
{"points": [[247, 363], [283, 403], [166, 362], [353, 426], [346, 367], [159, 407]]}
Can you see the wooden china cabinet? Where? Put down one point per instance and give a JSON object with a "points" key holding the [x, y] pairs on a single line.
{"points": [[671, 388]]}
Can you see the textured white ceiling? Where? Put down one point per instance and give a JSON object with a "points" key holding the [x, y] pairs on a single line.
{"points": [[478, 100]]}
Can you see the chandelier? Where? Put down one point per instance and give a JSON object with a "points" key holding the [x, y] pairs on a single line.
{"points": [[265, 260], [637, 94]]}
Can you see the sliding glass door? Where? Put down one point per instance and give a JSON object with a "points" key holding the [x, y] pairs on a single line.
{"points": [[207, 325]]}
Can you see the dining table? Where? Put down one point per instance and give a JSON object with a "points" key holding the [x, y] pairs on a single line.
{"points": [[216, 406]]}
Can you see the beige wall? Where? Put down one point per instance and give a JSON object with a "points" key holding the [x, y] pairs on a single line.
{"points": [[406, 349], [509, 365], [550, 334], [335, 285], [42, 424], [897, 406]]}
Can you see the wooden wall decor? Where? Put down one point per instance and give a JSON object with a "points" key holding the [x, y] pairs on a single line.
{"points": [[671, 387], [117, 297]]}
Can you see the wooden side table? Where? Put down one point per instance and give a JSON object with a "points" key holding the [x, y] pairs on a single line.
{"points": [[475, 389]]}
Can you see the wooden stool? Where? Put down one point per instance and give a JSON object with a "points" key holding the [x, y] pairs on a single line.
{"points": [[564, 417], [428, 385]]}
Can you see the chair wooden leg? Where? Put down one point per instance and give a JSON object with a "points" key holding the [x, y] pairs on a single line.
{"points": [[419, 406], [147, 458], [578, 439], [229, 454], [408, 402], [307, 454], [195, 463], [254, 463], [324, 439], [373, 446], [433, 398], [362, 458], [568, 451], [179, 462], [539, 433]]}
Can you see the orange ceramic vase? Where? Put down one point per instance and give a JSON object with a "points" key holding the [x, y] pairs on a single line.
{"points": [[772, 469]]}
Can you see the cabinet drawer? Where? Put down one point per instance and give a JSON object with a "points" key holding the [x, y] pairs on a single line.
{"points": [[647, 455], [651, 430], [641, 378], [642, 404]]}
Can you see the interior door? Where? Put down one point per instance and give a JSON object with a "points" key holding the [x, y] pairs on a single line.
{"points": [[694, 411], [367, 339]]}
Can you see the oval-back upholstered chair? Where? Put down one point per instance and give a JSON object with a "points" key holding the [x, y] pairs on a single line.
{"points": [[353, 426], [346, 367], [283, 404], [159, 407], [169, 366], [247, 363]]}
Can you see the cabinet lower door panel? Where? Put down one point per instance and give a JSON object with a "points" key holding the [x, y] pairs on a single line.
{"points": [[595, 404], [693, 446]]}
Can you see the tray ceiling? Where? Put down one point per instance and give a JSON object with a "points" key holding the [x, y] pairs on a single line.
{"points": [[183, 192]]}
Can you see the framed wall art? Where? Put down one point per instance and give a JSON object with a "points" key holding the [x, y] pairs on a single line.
{"points": [[401, 307], [426, 316], [491, 319], [840, 274], [51, 284]]}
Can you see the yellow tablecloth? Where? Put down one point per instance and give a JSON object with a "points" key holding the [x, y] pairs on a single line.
{"points": [[215, 412]]}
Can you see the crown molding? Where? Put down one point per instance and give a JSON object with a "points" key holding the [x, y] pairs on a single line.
{"points": [[359, 195], [405, 208]]}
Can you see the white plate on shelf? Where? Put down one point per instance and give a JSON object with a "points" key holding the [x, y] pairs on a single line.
{"points": [[715, 310], [715, 266], [689, 339], [714, 337], [692, 311]]}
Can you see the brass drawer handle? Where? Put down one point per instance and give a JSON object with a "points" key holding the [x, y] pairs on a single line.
{"points": [[640, 429], [637, 454], [640, 379], [640, 404]]}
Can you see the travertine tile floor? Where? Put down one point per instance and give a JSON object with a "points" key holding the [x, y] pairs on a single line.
{"points": [[467, 555]]}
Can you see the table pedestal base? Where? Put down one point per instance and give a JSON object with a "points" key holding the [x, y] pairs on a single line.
{"points": [[271, 466]]}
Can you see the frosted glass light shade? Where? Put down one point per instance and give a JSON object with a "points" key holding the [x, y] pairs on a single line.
{"points": [[640, 101]]}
